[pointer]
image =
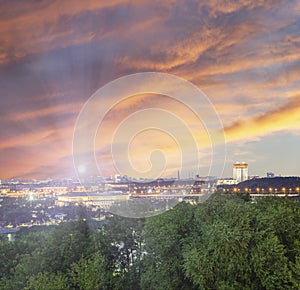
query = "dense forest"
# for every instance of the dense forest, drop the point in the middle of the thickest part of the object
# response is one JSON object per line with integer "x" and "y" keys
{"x": 224, "y": 243}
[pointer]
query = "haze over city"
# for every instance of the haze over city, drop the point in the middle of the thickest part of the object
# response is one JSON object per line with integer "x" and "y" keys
{"x": 244, "y": 56}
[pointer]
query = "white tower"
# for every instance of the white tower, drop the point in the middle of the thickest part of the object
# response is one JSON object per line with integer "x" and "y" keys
{"x": 240, "y": 171}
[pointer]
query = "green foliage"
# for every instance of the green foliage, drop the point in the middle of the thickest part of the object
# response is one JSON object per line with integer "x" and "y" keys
{"x": 91, "y": 274}
{"x": 239, "y": 245}
{"x": 66, "y": 245}
{"x": 47, "y": 281}
{"x": 165, "y": 235}
{"x": 224, "y": 243}
{"x": 49, "y": 251}
{"x": 7, "y": 255}
{"x": 125, "y": 236}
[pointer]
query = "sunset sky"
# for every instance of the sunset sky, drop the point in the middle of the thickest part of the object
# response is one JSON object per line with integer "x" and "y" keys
{"x": 243, "y": 55}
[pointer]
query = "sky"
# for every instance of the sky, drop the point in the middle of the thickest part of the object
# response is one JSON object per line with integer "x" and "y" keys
{"x": 243, "y": 55}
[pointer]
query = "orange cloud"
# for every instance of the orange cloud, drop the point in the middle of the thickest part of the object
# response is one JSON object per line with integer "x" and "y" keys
{"x": 222, "y": 46}
{"x": 43, "y": 112}
{"x": 286, "y": 117}
{"x": 28, "y": 28}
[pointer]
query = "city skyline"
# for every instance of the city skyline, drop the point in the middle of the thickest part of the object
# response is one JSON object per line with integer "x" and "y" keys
{"x": 179, "y": 176}
{"x": 243, "y": 55}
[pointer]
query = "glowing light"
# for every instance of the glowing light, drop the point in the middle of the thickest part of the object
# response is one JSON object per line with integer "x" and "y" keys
{"x": 31, "y": 196}
{"x": 81, "y": 168}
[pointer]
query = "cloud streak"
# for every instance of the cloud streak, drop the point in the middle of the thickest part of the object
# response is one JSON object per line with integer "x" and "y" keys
{"x": 55, "y": 54}
{"x": 285, "y": 117}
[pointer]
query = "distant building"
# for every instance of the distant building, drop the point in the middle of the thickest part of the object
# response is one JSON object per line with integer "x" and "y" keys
{"x": 270, "y": 174}
{"x": 103, "y": 199}
{"x": 117, "y": 178}
{"x": 240, "y": 171}
{"x": 253, "y": 176}
{"x": 226, "y": 181}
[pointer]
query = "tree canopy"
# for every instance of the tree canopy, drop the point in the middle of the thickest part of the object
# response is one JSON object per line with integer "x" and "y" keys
{"x": 224, "y": 243}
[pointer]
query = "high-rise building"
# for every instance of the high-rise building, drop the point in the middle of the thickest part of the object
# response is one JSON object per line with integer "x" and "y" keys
{"x": 240, "y": 171}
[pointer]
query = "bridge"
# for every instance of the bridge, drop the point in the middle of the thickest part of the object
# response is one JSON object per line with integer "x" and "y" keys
{"x": 274, "y": 194}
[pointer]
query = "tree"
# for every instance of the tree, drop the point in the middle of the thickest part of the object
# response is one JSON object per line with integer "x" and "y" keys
{"x": 47, "y": 281}
{"x": 236, "y": 245}
{"x": 216, "y": 253}
{"x": 125, "y": 235}
{"x": 91, "y": 273}
{"x": 164, "y": 239}
{"x": 66, "y": 244}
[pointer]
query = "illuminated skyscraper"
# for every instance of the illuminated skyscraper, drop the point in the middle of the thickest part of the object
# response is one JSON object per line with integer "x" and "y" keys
{"x": 240, "y": 171}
